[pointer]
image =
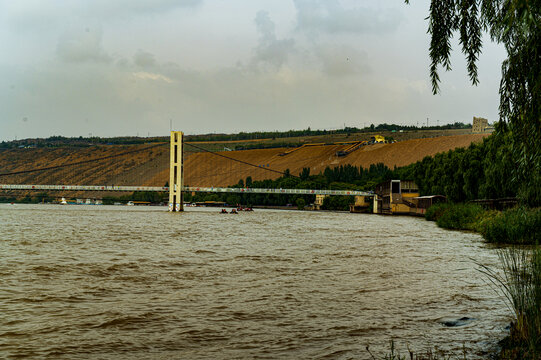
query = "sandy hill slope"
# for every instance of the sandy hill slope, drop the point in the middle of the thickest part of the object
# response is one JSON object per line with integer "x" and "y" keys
{"x": 204, "y": 169}
{"x": 134, "y": 168}
{"x": 151, "y": 166}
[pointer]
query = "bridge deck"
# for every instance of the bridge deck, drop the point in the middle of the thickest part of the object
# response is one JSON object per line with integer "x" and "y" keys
{"x": 185, "y": 189}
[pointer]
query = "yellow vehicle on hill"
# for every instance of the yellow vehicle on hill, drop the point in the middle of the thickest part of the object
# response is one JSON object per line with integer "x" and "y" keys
{"x": 377, "y": 139}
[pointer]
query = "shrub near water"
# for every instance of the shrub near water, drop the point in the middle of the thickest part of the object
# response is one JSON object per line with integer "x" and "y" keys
{"x": 455, "y": 216}
{"x": 436, "y": 210}
{"x": 515, "y": 226}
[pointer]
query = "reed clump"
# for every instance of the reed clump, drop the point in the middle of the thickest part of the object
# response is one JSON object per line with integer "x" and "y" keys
{"x": 521, "y": 285}
{"x": 429, "y": 354}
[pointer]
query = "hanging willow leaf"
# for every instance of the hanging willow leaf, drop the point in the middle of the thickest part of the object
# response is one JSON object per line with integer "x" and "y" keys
{"x": 516, "y": 24}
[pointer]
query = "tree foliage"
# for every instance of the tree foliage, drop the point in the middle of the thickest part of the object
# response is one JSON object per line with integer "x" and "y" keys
{"x": 481, "y": 171}
{"x": 343, "y": 177}
{"x": 516, "y": 25}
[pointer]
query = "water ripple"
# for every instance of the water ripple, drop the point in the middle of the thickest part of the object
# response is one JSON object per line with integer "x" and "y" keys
{"x": 114, "y": 282}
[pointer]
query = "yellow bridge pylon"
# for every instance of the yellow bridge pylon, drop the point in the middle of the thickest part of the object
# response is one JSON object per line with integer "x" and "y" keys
{"x": 176, "y": 172}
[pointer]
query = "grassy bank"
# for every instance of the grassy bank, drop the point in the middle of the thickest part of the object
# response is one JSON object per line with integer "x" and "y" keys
{"x": 455, "y": 216}
{"x": 516, "y": 226}
{"x": 520, "y": 226}
{"x": 521, "y": 279}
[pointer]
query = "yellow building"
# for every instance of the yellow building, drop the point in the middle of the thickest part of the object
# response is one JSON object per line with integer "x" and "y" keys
{"x": 395, "y": 197}
{"x": 361, "y": 204}
{"x": 318, "y": 203}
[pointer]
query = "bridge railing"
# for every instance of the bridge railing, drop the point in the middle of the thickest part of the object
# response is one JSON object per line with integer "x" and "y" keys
{"x": 82, "y": 187}
{"x": 185, "y": 189}
{"x": 277, "y": 191}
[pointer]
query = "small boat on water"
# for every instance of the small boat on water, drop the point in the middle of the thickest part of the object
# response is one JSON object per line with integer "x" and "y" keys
{"x": 242, "y": 208}
{"x": 63, "y": 201}
{"x": 235, "y": 211}
{"x": 130, "y": 203}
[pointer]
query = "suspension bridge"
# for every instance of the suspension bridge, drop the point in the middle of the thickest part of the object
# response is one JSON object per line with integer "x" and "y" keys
{"x": 204, "y": 166}
{"x": 184, "y": 189}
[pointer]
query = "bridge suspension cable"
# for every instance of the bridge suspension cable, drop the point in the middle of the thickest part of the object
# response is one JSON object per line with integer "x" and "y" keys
{"x": 239, "y": 161}
{"x": 82, "y": 162}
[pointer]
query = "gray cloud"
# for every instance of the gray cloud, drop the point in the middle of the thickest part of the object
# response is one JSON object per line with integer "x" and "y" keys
{"x": 29, "y": 16}
{"x": 82, "y": 46}
{"x": 275, "y": 77}
{"x": 270, "y": 50}
{"x": 144, "y": 59}
{"x": 341, "y": 60}
{"x": 119, "y": 8}
{"x": 331, "y": 17}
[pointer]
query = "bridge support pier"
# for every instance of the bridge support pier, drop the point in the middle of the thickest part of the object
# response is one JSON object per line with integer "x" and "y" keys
{"x": 176, "y": 172}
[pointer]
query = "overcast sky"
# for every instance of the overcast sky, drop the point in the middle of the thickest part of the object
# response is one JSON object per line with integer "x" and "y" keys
{"x": 130, "y": 67}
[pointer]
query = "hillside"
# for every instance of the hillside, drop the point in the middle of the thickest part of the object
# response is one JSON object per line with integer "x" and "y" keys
{"x": 150, "y": 167}
{"x": 204, "y": 169}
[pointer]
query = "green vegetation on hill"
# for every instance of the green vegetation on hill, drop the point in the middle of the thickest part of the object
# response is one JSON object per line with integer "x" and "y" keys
{"x": 310, "y": 132}
{"x": 61, "y": 141}
{"x": 267, "y": 145}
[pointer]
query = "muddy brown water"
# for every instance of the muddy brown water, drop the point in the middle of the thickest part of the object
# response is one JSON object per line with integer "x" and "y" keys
{"x": 105, "y": 282}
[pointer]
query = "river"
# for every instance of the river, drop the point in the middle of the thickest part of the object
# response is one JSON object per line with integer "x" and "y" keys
{"x": 125, "y": 282}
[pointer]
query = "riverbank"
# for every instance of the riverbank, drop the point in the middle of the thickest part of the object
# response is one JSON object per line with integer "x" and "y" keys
{"x": 521, "y": 281}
